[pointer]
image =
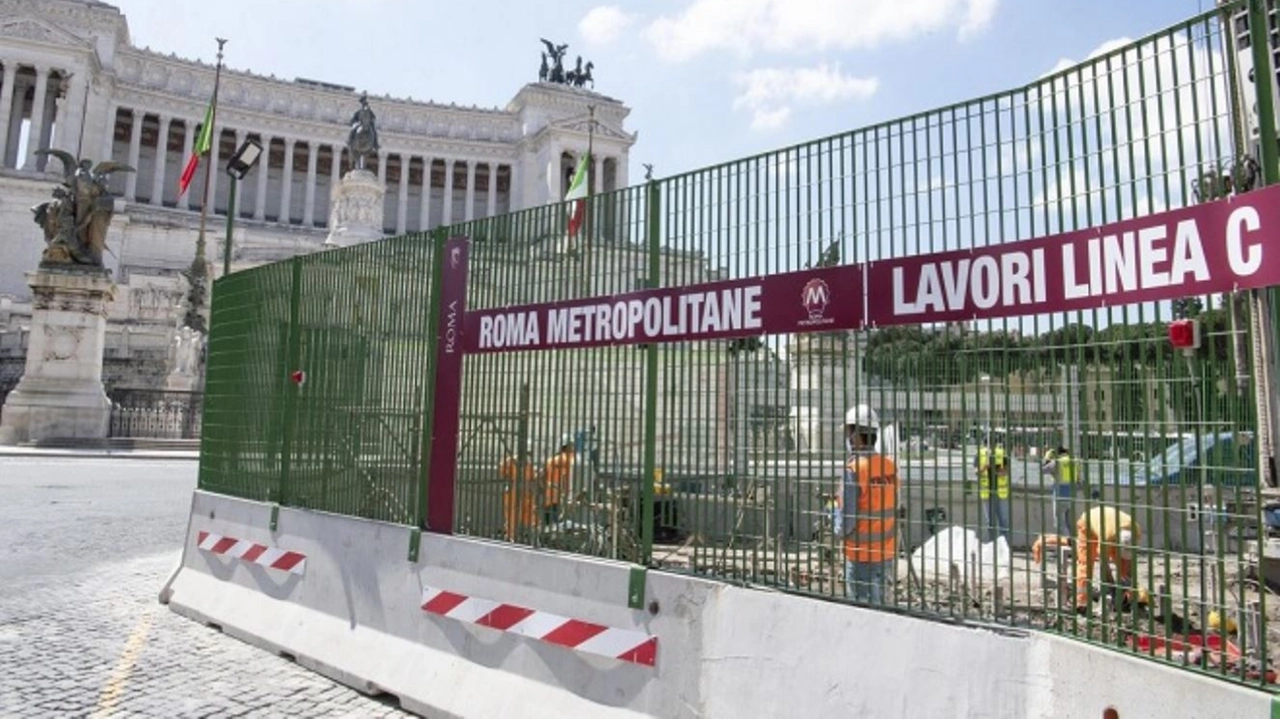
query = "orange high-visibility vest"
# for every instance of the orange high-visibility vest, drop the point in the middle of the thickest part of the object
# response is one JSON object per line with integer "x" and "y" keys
{"x": 557, "y": 477}
{"x": 519, "y": 499}
{"x": 875, "y": 537}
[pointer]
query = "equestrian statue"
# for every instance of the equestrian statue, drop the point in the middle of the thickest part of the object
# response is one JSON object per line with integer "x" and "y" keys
{"x": 362, "y": 140}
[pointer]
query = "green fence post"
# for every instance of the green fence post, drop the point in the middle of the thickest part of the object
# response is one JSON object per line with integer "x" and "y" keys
{"x": 651, "y": 382}
{"x": 1263, "y": 72}
{"x": 294, "y": 353}
{"x": 437, "y": 239}
{"x": 1261, "y": 46}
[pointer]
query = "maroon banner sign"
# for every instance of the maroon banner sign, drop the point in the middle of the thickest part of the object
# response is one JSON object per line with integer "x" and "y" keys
{"x": 1215, "y": 247}
{"x": 828, "y": 298}
{"x": 448, "y": 387}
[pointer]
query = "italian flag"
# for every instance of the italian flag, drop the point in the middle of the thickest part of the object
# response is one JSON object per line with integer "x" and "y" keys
{"x": 578, "y": 191}
{"x": 201, "y": 148}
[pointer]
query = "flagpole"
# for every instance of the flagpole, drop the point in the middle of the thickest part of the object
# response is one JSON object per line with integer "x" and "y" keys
{"x": 199, "y": 272}
{"x": 591, "y": 164}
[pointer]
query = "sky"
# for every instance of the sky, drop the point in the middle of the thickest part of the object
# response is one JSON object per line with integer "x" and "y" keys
{"x": 708, "y": 81}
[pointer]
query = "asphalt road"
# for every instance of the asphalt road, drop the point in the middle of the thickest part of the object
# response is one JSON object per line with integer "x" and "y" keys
{"x": 85, "y": 545}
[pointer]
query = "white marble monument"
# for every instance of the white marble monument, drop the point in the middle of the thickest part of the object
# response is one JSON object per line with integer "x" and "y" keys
{"x": 357, "y": 213}
{"x": 184, "y": 360}
{"x": 60, "y": 394}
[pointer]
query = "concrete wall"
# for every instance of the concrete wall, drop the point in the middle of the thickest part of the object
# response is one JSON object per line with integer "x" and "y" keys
{"x": 723, "y": 651}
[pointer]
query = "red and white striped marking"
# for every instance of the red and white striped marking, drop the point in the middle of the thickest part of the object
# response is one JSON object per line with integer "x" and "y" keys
{"x": 269, "y": 557}
{"x": 627, "y": 645}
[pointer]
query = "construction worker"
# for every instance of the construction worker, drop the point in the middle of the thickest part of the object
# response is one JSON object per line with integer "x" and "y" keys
{"x": 993, "y": 491}
{"x": 1108, "y": 534}
{"x": 519, "y": 499}
{"x": 1060, "y": 467}
{"x": 869, "y": 507}
{"x": 556, "y": 479}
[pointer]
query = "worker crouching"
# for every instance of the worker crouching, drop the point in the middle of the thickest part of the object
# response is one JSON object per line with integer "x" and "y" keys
{"x": 1108, "y": 534}
{"x": 869, "y": 508}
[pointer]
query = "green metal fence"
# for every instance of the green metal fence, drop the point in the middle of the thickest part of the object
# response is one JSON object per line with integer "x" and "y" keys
{"x": 724, "y": 458}
{"x": 316, "y": 381}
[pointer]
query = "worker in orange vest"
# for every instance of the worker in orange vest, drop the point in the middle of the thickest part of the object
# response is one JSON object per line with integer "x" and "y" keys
{"x": 556, "y": 479}
{"x": 869, "y": 506}
{"x": 519, "y": 499}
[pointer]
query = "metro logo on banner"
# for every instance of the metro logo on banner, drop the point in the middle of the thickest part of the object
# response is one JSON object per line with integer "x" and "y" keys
{"x": 1209, "y": 248}
{"x": 828, "y": 298}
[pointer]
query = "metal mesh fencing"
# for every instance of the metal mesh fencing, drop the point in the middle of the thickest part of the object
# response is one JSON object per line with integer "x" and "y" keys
{"x": 726, "y": 457}
{"x": 1164, "y": 437}
{"x": 317, "y": 378}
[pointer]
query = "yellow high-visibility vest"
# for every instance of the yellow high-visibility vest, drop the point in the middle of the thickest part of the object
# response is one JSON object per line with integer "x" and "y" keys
{"x": 1066, "y": 469}
{"x": 986, "y": 472}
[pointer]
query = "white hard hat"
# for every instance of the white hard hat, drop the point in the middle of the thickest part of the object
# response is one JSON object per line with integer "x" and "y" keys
{"x": 862, "y": 415}
{"x": 565, "y": 439}
{"x": 1126, "y": 537}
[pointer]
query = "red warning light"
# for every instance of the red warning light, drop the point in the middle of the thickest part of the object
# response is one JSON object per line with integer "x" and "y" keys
{"x": 1184, "y": 334}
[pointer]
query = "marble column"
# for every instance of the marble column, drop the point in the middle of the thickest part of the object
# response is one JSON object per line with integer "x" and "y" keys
{"x": 447, "y": 219}
{"x": 108, "y": 151}
{"x": 598, "y": 175}
{"x": 37, "y": 118}
{"x": 309, "y": 200}
{"x": 188, "y": 144}
{"x": 286, "y": 181}
{"x": 46, "y": 123}
{"x": 515, "y": 188}
{"x": 424, "y": 202}
{"x": 71, "y": 115}
{"x": 264, "y": 172}
{"x": 491, "y": 205}
{"x": 469, "y": 211}
{"x": 335, "y": 167}
{"x": 402, "y": 204}
{"x": 6, "y": 107}
{"x": 162, "y": 156}
{"x": 15, "y": 123}
{"x": 135, "y": 151}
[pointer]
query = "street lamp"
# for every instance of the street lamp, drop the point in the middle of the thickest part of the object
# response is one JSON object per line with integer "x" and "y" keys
{"x": 237, "y": 167}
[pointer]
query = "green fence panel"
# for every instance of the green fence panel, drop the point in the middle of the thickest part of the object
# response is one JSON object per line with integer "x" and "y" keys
{"x": 726, "y": 458}
{"x": 323, "y": 386}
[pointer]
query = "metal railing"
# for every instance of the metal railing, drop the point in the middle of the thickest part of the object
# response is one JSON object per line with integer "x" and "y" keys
{"x": 155, "y": 414}
{"x": 725, "y": 458}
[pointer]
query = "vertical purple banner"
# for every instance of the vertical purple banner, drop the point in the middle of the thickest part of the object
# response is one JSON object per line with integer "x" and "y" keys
{"x": 448, "y": 389}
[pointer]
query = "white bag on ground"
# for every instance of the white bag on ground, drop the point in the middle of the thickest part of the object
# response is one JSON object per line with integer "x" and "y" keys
{"x": 957, "y": 552}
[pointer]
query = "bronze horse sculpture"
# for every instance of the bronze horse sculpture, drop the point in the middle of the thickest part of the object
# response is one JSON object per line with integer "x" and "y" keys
{"x": 362, "y": 140}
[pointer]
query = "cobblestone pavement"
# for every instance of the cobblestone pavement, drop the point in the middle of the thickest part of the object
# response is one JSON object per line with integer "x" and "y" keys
{"x": 85, "y": 546}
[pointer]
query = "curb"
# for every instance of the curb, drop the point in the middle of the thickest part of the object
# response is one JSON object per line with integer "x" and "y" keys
{"x": 97, "y": 454}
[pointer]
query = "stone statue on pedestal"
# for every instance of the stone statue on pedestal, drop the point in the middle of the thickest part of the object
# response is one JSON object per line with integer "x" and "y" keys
{"x": 60, "y": 394}
{"x": 75, "y": 221}
{"x": 186, "y": 350}
{"x": 355, "y": 209}
{"x": 362, "y": 141}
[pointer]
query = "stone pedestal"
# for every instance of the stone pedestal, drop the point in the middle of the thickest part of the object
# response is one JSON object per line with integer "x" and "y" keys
{"x": 357, "y": 210}
{"x": 60, "y": 394}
